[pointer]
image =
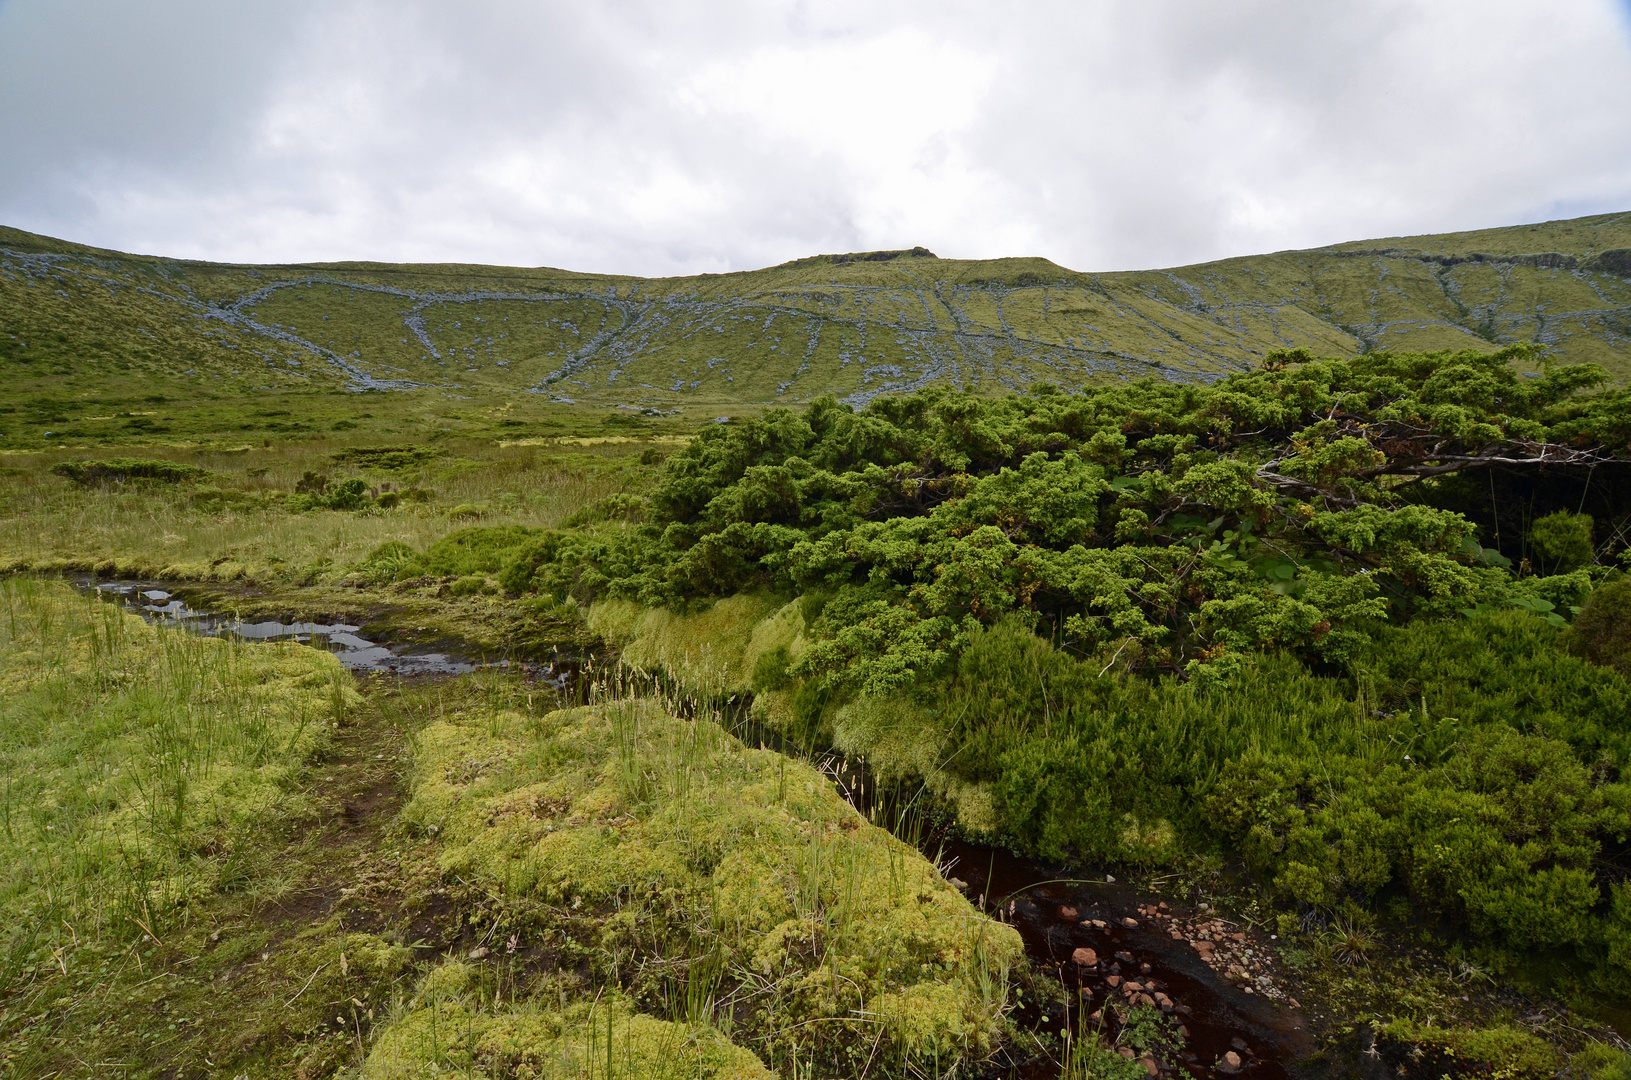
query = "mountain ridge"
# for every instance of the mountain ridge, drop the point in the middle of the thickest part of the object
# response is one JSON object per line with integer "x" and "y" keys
{"x": 856, "y": 324}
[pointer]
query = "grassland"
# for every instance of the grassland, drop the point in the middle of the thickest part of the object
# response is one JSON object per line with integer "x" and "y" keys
{"x": 237, "y": 521}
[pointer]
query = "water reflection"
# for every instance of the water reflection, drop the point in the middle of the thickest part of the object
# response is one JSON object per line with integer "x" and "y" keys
{"x": 356, "y": 653}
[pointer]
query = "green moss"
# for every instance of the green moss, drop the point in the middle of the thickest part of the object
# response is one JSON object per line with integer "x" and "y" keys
{"x": 1496, "y": 1053}
{"x": 449, "y": 1030}
{"x": 672, "y": 822}
{"x": 713, "y": 650}
{"x": 1599, "y": 1061}
{"x": 138, "y": 761}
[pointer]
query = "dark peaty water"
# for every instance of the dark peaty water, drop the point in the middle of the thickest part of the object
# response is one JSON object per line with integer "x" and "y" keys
{"x": 1056, "y": 919}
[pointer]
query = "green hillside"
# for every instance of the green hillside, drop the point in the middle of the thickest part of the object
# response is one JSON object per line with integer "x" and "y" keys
{"x": 124, "y": 329}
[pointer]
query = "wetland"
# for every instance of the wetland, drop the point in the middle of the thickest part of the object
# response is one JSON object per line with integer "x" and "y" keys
{"x": 1141, "y": 731}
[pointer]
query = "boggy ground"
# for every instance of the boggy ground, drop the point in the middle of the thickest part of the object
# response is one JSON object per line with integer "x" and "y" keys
{"x": 334, "y": 918}
{"x": 451, "y": 875}
{"x": 251, "y": 981}
{"x": 329, "y": 918}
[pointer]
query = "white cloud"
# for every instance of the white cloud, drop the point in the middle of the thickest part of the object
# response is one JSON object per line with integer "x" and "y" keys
{"x": 646, "y": 137}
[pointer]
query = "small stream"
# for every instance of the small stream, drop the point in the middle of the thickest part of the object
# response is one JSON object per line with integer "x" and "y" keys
{"x": 1109, "y": 945}
{"x": 1108, "y": 942}
{"x": 158, "y": 605}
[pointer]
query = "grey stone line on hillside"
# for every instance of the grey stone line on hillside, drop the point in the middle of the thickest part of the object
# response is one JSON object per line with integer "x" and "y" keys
{"x": 644, "y": 318}
{"x": 73, "y": 264}
{"x": 1488, "y": 314}
{"x": 641, "y": 319}
{"x": 1542, "y": 336}
{"x": 32, "y": 261}
{"x": 631, "y": 310}
{"x": 413, "y": 319}
{"x": 1196, "y": 302}
{"x": 361, "y": 379}
{"x": 1020, "y": 345}
{"x": 1616, "y": 262}
{"x": 894, "y": 377}
{"x": 1366, "y": 332}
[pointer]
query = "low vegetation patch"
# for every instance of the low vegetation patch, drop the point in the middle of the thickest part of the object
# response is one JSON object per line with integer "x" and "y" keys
{"x": 140, "y": 769}
{"x": 1335, "y": 645}
{"x": 1270, "y": 618}
{"x": 451, "y": 1025}
{"x": 119, "y": 470}
{"x": 738, "y": 892}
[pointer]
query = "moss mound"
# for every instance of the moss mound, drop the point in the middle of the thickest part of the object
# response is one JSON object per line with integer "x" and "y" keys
{"x": 447, "y": 1026}
{"x": 1602, "y": 631}
{"x": 1500, "y": 1053}
{"x": 829, "y": 938}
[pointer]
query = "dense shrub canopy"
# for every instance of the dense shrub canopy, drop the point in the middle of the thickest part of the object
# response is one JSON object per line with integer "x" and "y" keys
{"x": 1288, "y": 507}
{"x": 1339, "y": 682}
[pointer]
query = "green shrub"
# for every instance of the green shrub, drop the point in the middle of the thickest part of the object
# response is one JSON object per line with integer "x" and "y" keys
{"x": 120, "y": 470}
{"x": 1138, "y": 519}
{"x": 1147, "y": 619}
{"x": 480, "y": 550}
{"x": 389, "y": 561}
{"x": 313, "y": 492}
{"x": 1562, "y": 541}
{"x": 770, "y": 670}
{"x": 623, "y": 507}
{"x": 1602, "y": 631}
{"x": 387, "y": 458}
{"x": 311, "y": 483}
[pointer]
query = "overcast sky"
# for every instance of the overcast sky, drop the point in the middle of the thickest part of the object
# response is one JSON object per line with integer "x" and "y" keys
{"x": 669, "y": 136}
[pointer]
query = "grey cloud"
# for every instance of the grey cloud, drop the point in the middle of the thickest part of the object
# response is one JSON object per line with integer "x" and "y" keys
{"x": 1102, "y": 135}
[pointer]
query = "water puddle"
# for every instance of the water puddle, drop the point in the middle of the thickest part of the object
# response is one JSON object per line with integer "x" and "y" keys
{"x": 158, "y": 605}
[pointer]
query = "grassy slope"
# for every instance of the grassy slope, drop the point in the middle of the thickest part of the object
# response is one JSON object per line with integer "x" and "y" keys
{"x": 101, "y": 345}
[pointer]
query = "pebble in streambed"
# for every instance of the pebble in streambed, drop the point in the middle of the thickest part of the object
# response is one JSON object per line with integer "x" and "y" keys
{"x": 1114, "y": 948}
